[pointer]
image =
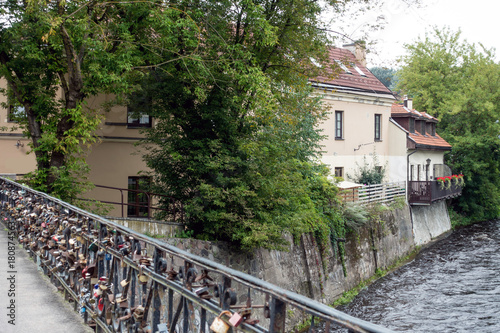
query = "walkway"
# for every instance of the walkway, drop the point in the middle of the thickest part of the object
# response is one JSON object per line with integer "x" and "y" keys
{"x": 35, "y": 305}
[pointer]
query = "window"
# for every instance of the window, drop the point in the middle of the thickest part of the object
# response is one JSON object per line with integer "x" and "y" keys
{"x": 339, "y": 172}
{"x": 418, "y": 172}
{"x": 412, "y": 125}
{"x": 138, "y": 200}
{"x": 422, "y": 127}
{"x": 339, "y": 124}
{"x": 14, "y": 113}
{"x": 433, "y": 129}
{"x": 378, "y": 120}
{"x": 412, "y": 171}
{"x": 137, "y": 119}
{"x": 138, "y": 109}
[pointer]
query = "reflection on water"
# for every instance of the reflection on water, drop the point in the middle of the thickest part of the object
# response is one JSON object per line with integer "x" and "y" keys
{"x": 452, "y": 286}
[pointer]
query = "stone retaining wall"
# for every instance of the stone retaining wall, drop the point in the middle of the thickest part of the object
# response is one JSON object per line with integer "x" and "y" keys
{"x": 302, "y": 268}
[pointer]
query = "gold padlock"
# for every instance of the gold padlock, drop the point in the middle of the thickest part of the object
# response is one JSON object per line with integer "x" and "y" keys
{"x": 219, "y": 325}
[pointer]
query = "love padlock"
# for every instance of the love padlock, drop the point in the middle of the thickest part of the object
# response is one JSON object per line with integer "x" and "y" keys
{"x": 219, "y": 325}
{"x": 235, "y": 319}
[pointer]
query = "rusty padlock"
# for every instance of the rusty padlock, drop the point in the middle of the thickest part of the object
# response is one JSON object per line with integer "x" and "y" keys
{"x": 219, "y": 325}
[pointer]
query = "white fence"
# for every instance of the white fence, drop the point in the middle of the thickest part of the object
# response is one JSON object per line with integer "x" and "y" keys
{"x": 386, "y": 192}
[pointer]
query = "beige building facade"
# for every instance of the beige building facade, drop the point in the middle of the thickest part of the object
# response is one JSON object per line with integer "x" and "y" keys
{"x": 115, "y": 161}
{"x": 359, "y": 129}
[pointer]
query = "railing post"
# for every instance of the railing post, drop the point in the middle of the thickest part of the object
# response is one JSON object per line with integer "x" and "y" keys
{"x": 121, "y": 193}
{"x": 278, "y": 315}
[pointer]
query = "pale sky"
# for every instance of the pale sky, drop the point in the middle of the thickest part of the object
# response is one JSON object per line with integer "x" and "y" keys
{"x": 479, "y": 21}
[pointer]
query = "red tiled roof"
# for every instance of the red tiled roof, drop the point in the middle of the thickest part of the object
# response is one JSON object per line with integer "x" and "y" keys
{"x": 398, "y": 110}
{"x": 401, "y": 110}
{"x": 367, "y": 82}
{"x": 429, "y": 140}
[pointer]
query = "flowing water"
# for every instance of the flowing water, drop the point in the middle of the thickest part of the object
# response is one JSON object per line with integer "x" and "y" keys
{"x": 452, "y": 286}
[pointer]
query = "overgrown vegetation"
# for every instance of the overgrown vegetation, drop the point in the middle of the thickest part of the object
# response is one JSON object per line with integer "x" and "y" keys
{"x": 369, "y": 173}
{"x": 236, "y": 124}
{"x": 459, "y": 83}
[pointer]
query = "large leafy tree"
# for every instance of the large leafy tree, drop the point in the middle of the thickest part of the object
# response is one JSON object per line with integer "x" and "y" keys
{"x": 235, "y": 137}
{"x": 459, "y": 83}
{"x": 54, "y": 55}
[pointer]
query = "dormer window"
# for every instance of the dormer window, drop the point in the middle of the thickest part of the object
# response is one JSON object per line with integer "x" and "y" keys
{"x": 412, "y": 125}
{"x": 431, "y": 128}
{"x": 422, "y": 127}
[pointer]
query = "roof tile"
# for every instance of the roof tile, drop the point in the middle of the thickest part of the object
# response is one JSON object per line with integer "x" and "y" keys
{"x": 417, "y": 137}
{"x": 366, "y": 82}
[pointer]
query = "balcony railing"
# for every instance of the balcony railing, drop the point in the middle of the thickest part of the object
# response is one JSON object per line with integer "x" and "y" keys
{"x": 378, "y": 193}
{"x": 425, "y": 192}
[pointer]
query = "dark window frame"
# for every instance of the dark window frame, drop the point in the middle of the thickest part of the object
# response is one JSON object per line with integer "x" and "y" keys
{"x": 339, "y": 125}
{"x": 423, "y": 128}
{"x": 135, "y": 119}
{"x": 339, "y": 172}
{"x": 378, "y": 127}
{"x": 139, "y": 183}
{"x": 14, "y": 110}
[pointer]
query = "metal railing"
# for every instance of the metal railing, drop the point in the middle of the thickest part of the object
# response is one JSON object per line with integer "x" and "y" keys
{"x": 378, "y": 193}
{"x": 425, "y": 192}
{"x": 174, "y": 212}
{"x": 124, "y": 281}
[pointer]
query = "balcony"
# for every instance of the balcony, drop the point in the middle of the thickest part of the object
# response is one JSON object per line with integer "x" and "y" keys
{"x": 426, "y": 192}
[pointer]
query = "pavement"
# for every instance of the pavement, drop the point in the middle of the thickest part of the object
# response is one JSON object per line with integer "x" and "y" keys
{"x": 29, "y": 303}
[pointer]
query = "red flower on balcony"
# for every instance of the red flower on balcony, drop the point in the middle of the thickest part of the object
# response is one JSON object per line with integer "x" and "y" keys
{"x": 446, "y": 182}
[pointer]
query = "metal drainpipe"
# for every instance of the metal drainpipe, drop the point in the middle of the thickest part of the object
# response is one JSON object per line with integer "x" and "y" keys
{"x": 407, "y": 187}
{"x": 408, "y": 165}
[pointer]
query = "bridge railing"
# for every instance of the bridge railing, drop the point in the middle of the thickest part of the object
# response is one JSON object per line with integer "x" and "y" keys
{"x": 124, "y": 281}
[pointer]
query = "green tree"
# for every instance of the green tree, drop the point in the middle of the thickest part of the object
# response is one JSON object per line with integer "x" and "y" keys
{"x": 235, "y": 137}
{"x": 54, "y": 55}
{"x": 459, "y": 83}
{"x": 388, "y": 76}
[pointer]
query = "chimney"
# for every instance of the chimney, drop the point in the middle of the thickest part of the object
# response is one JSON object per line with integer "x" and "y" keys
{"x": 408, "y": 102}
{"x": 359, "y": 50}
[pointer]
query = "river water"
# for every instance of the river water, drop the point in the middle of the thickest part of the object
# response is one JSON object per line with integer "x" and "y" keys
{"x": 451, "y": 286}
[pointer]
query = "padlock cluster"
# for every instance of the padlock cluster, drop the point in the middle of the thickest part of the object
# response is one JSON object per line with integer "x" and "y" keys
{"x": 107, "y": 271}
{"x": 76, "y": 253}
